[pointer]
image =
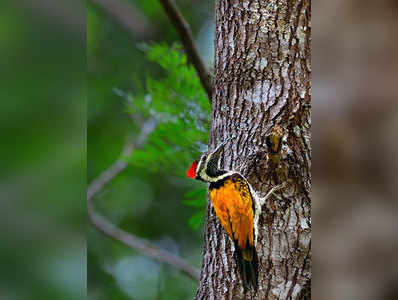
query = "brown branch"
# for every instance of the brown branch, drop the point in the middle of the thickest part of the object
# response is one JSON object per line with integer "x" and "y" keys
{"x": 143, "y": 246}
{"x": 184, "y": 31}
{"x": 102, "y": 224}
{"x": 135, "y": 24}
{"x": 118, "y": 166}
{"x": 138, "y": 26}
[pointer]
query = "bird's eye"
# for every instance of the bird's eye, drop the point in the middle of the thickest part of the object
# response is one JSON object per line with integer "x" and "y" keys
{"x": 204, "y": 157}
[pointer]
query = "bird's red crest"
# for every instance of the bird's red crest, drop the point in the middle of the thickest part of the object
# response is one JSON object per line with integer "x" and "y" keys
{"x": 191, "y": 173}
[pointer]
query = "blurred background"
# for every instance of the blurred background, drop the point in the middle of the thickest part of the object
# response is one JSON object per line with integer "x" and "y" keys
{"x": 68, "y": 73}
{"x": 355, "y": 149}
{"x": 43, "y": 165}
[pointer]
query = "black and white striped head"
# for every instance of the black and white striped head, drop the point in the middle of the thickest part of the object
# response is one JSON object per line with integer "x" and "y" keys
{"x": 205, "y": 168}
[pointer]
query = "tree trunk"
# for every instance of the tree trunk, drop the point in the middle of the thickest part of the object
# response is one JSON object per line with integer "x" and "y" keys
{"x": 262, "y": 79}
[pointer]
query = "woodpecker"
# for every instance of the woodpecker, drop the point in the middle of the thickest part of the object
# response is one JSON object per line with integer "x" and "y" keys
{"x": 237, "y": 207}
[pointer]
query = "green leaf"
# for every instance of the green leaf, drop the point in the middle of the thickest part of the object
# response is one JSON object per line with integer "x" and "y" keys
{"x": 195, "y": 202}
{"x": 196, "y": 193}
{"x": 196, "y": 198}
{"x": 196, "y": 220}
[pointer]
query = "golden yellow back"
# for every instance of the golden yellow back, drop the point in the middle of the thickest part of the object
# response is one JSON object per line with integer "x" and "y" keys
{"x": 232, "y": 203}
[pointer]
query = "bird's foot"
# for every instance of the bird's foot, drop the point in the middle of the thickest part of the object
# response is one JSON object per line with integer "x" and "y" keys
{"x": 271, "y": 191}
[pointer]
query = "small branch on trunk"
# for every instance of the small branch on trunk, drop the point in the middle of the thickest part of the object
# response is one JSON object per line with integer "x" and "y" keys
{"x": 184, "y": 31}
{"x": 103, "y": 225}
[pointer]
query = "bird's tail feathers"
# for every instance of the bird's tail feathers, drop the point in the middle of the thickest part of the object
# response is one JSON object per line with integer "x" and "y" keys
{"x": 248, "y": 263}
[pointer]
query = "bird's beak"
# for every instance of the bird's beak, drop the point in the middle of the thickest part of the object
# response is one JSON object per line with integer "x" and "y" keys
{"x": 217, "y": 151}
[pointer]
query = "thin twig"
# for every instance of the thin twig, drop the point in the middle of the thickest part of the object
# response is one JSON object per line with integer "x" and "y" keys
{"x": 102, "y": 224}
{"x": 184, "y": 31}
{"x": 119, "y": 165}
{"x": 143, "y": 246}
{"x": 139, "y": 27}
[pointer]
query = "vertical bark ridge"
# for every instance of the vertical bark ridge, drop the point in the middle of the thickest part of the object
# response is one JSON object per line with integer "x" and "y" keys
{"x": 262, "y": 78}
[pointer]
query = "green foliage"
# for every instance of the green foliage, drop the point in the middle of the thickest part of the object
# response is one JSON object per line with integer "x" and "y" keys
{"x": 197, "y": 219}
{"x": 180, "y": 106}
{"x": 197, "y": 199}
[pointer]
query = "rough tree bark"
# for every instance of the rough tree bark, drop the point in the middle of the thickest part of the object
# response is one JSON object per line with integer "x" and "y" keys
{"x": 262, "y": 79}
